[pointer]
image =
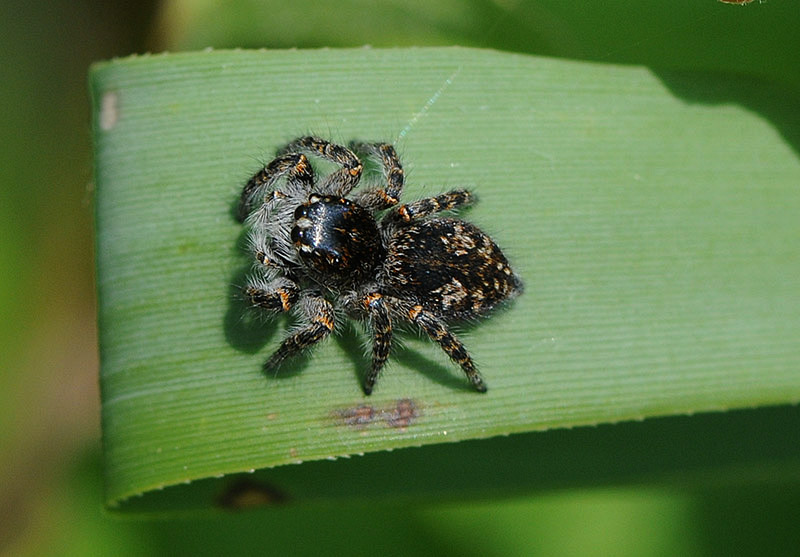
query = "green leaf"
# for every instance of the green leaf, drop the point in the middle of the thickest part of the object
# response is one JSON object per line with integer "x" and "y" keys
{"x": 652, "y": 217}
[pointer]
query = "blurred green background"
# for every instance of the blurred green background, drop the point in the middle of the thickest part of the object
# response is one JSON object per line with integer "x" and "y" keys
{"x": 50, "y": 471}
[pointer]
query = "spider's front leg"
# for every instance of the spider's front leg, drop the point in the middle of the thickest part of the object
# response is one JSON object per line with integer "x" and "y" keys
{"x": 319, "y": 313}
{"x": 339, "y": 182}
{"x": 382, "y": 197}
{"x": 294, "y": 166}
{"x": 449, "y": 201}
{"x": 278, "y": 295}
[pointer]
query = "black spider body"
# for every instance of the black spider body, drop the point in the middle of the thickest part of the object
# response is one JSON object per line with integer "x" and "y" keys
{"x": 449, "y": 267}
{"x": 316, "y": 250}
{"x": 338, "y": 239}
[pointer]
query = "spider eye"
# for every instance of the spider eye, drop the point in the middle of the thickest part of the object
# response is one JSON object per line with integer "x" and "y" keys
{"x": 296, "y": 235}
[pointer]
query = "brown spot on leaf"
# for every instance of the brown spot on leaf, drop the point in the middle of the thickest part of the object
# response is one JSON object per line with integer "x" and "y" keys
{"x": 403, "y": 415}
{"x": 399, "y": 414}
{"x": 358, "y": 416}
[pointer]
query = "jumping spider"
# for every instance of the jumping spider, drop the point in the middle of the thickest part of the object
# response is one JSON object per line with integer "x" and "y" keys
{"x": 316, "y": 250}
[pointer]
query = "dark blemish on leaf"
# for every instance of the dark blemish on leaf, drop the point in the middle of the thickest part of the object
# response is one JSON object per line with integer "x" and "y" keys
{"x": 246, "y": 493}
{"x": 403, "y": 414}
{"x": 399, "y": 415}
{"x": 359, "y": 416}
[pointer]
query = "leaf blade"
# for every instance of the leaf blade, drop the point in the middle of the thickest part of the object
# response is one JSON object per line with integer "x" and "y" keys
{"x": 644, "y": 228}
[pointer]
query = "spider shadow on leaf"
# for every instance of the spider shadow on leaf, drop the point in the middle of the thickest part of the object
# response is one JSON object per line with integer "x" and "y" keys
{"x": 442, "y": 371}
{"x": 445, "y": 375}
{"x": 246, "y": 330}
{"x": 354, "y": 343}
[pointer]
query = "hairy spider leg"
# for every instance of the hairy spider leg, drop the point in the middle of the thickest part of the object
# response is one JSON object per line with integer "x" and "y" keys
{"x": 381, "y": 197}
{"x": 319, "y": 313}
{"x": 339, "y": 182}
{"x": 430, "y": 205}
{"x": 381, "y": 326}
{"x": 278, "y": 295}
{"x": 294, "y": 165}
{"x": 438, "y": 332}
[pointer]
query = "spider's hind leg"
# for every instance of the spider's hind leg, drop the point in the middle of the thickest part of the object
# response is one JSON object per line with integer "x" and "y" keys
{"x": 438, "y": 332}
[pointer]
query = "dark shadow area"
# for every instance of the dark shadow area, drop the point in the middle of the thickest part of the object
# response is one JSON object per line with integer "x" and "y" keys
{"x": 354, "y": 344}
{"x": 729, "y": 516}
{"x": 711, "y": 454}
{"x": 775, "y": 103}
{"x": 760, "y": 519}
{"x": 449, "y": 376}
{"x": 233, "y": 528}
{"x": 246, "y": 329}
{"x": 357, "y": 346}
{"x": 680, "y": 35}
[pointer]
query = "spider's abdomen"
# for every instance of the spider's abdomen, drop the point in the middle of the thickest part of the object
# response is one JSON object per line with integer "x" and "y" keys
{"x": 337, "y": 238}
{"x": 449, "y": 267}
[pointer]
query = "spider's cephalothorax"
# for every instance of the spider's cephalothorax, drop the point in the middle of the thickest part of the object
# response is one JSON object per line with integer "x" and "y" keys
{"x": 316, "y": 250}
{"x": 337, "y": 239}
